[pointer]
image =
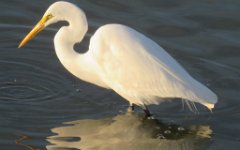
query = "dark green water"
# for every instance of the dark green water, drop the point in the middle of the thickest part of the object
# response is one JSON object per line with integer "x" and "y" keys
{"x": 42, "y": 106}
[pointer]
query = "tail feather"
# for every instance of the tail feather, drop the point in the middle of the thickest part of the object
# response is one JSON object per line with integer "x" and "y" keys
{"x": 204, "y": 95}
{"x": 209, "y": 106}
{"x": 197, "y": 92}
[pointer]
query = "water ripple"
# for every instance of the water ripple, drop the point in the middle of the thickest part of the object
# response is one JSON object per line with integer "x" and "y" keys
{"x": 33, "y": 86}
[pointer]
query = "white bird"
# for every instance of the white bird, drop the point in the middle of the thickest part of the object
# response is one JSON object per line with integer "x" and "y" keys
{"x": 121, "y": 59}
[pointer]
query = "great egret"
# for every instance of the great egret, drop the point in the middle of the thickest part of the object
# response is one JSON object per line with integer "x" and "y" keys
{"x": 121, "y": 59}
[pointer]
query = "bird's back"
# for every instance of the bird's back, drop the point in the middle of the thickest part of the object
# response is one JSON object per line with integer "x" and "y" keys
{"x": 140, "y": 70}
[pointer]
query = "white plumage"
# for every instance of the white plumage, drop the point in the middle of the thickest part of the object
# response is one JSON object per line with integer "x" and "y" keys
{"x": 122, "y": 59}
{"x": 140, "y": 70}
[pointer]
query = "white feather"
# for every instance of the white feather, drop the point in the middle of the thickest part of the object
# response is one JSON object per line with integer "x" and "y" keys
{"x": 121, "y": 59}
{"x": 140, "y": 70}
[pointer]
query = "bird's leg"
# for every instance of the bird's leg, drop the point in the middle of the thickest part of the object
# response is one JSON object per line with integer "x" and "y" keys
{"x": 147, "y": 112}
{"x": 144, "y": 107}
{"x": 131, "y": 107}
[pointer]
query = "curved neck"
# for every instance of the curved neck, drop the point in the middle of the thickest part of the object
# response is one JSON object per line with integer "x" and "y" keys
{"x": 67, "y": 36}
{"x": 81, "y": 65}
{"x": 65, "y": 39}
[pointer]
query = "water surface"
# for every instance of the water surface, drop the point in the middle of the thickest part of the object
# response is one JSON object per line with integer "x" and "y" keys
{"x": 42, "y": 106}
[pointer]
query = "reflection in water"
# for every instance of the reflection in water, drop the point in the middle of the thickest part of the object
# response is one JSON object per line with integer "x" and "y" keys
{"x": 128, "y": 131}
{"x": 22, "y": 139}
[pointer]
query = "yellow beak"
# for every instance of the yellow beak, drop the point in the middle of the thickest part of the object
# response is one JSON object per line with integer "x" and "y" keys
{"x": 40, "y": 25}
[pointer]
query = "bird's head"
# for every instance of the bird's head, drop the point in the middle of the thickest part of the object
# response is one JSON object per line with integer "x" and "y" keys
{"x": 55, "y": 13}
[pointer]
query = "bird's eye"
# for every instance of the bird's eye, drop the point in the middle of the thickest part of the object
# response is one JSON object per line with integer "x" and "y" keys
{"x": 49, "y": 16}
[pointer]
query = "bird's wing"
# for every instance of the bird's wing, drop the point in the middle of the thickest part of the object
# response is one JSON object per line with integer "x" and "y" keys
{"x": 134, "y": 65}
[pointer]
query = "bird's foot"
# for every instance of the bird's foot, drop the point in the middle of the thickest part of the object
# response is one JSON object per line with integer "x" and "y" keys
{"x": 148, "y": 115}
